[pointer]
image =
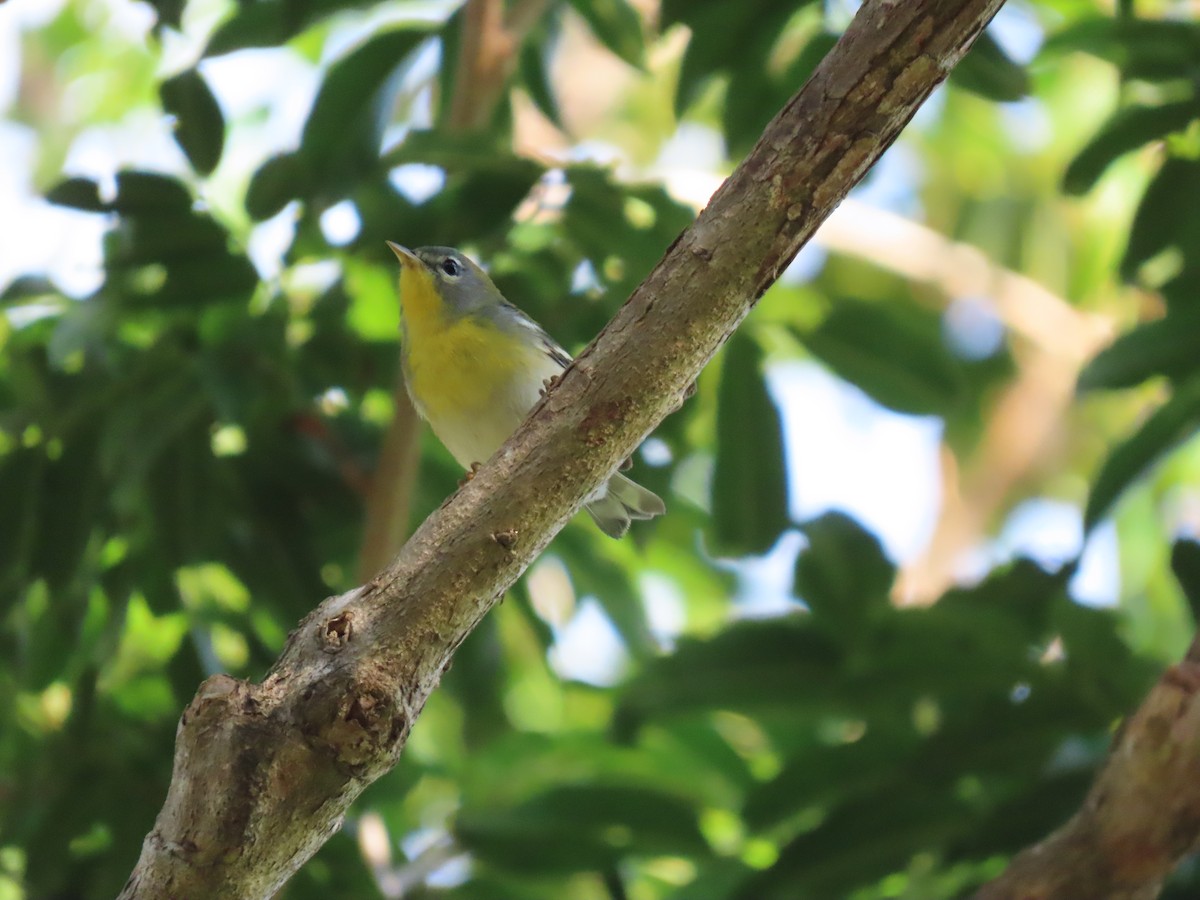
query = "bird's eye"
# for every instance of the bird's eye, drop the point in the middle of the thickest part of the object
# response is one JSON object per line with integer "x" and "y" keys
{"x": 451, "y": 267}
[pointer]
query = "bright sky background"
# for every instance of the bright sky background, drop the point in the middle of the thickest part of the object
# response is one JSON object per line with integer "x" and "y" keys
{"x": 844, "y": 451}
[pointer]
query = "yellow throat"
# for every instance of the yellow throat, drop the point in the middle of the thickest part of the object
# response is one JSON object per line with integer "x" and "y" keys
{"x": 422, "y": 307}
{"x": 456, "y": 365}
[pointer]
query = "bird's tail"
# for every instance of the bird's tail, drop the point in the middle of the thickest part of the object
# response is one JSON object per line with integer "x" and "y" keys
{"x": 622, "y": 502}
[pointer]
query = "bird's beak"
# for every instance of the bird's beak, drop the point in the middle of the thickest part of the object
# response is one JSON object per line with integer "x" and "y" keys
{"x": 406, "y": 256}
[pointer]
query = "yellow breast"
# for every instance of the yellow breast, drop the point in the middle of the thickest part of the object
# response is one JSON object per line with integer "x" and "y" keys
{"x": 458, "y": 368}
{"x": 473, "y": 382}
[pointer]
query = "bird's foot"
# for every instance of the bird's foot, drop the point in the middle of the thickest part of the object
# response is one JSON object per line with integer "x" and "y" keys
{"x": 547, "y": 384}
{"x": 475, "y": 467}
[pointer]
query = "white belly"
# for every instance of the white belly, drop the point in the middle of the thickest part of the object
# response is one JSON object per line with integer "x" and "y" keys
{"x": 474, "y": 435}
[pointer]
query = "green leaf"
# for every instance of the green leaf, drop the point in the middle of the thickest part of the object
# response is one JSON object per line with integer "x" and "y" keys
{"x": 150, "y": 238}
{"x": 140, "y": 193}
{"x": 716, "y": 877}
{"x": 1167, "y": 217}
{"x": 137, "y": 435}
{"x": 23, "y": 288}
{"x": 342, "y": 136}
{"x": 897, "y": 356}
{"x": 82, "y": 328}
{"x": 1182, "y": 292}
{"x": 478, "y": 682}
{"x": 531, "y": 70}
{"x": 750, "y": 667}
{"x": 1147, "y": 49}
{"x": 581, "y": 827}
{"x": 988, "y": 71}
{"x": 1168, "y": 346}
{"x": 69, "y": 481}
{"x": 1170, "y": 424}
{"x": 623, "y": 248}
{"x": 170, "y": 12}
{"x": 897, "y": 822}
{"x": 750, "y": 486}
{"x": 461, "y": 153}
{"x": 21, "y": 476}
{"x": 823, "y": 773}
{"x": 1128, "y": 129}
{"x": 724, "y": 36}
{"x": 482, "y": 202}
{"x": 1100, "y": 658}
{"x": 199, "y": 125}
{"x": 158, "y": 227}
{"x": 449, "y": 38}
{"x": 843, "y": 573}
{"x": 267, "y": 23}
{"x": 1023, "y": 589}
{"x": 760, "y": 93}
{"x": 1185, "y": 563}
{"x": 259, "y": 24}
{"x": 78, "y": 193}
{"x": 617, "y": 26}
{"x": 277, "y": 182}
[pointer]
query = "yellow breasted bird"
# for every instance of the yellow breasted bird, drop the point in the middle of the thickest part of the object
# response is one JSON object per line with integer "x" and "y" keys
{"x": 475, "y": 365}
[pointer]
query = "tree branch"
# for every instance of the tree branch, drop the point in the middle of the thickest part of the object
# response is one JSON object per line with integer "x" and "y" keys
{"x": 1141, "y": 816}
{"x": 264, "y": 773}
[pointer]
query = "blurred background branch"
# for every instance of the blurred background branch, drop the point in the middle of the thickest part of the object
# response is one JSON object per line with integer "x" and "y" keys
{"x": 1024, "y": 433}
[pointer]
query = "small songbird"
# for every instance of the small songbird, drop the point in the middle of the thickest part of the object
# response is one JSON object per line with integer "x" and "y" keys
{"x": 475, "y": 365}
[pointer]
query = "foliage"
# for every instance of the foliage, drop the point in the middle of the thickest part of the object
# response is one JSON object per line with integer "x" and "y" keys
{"x": 185, "y": 453}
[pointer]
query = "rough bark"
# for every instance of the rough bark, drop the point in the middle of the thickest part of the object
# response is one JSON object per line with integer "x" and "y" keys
{"x": 1141, "y": 816}
{"x": 264, "y": 773}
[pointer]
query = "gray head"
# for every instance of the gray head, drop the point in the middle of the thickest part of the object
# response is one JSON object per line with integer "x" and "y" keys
{"x": 463, "y": 286}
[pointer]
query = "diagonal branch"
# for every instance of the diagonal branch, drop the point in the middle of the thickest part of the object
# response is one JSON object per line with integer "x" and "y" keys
{"x": 264, "y": 773}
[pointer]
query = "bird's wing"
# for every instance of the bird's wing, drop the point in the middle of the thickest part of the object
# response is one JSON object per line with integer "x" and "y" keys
{"x": 547, "y": 343}
{"x": 555, "y": 352}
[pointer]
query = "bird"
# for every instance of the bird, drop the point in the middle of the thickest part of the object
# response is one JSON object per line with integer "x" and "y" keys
{"x": 475, "y": 365}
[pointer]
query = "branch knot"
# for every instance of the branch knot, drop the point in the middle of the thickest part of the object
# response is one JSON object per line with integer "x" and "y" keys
{"x": 336, "y": 632}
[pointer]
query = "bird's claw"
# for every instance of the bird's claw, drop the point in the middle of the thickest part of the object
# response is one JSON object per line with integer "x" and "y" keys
{"x": 547, "y": 384}
{"x": 471, "y": 472}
